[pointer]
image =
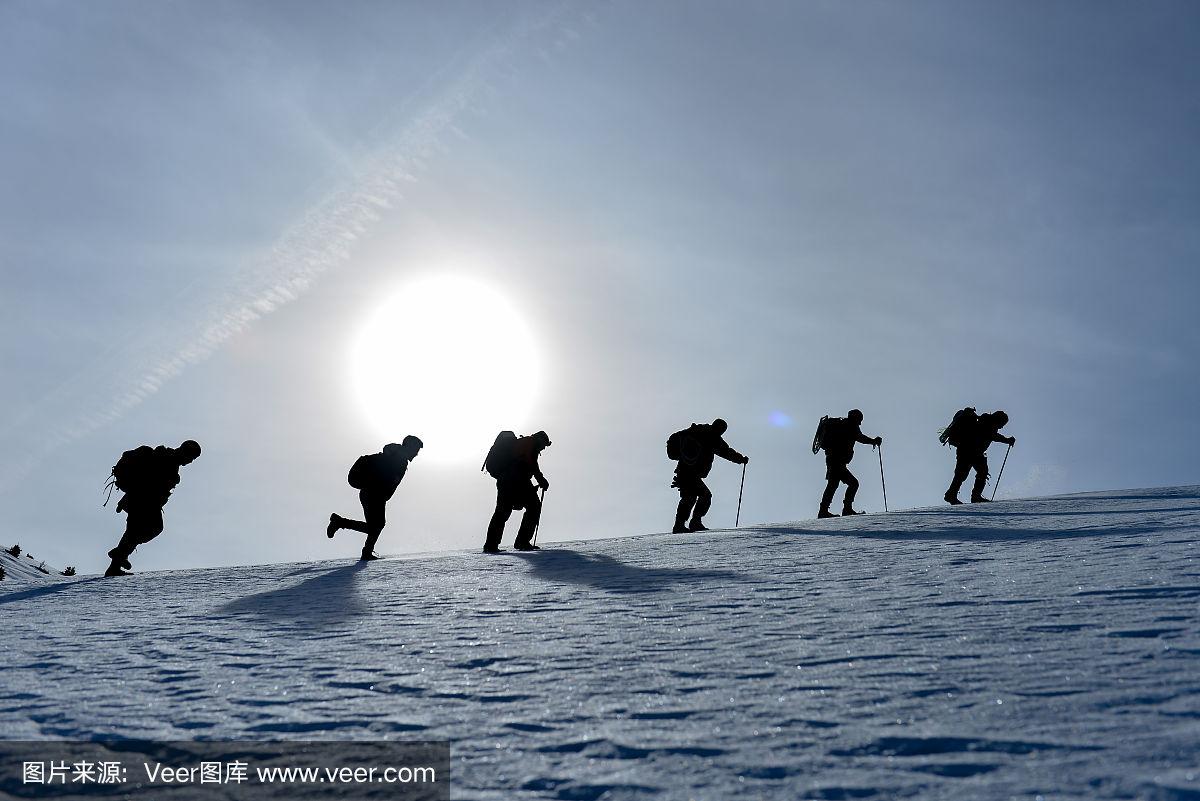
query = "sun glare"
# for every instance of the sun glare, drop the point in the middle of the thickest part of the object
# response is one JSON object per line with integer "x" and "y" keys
{"x": 449, "y": 360}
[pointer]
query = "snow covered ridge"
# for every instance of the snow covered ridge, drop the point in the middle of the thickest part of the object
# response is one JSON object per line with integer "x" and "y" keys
{"x": 1046, "y": 647}
{"x": 24, "y": 569}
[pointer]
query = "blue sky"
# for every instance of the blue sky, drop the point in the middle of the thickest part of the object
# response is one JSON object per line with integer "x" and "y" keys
{"x": 765, "y": 212}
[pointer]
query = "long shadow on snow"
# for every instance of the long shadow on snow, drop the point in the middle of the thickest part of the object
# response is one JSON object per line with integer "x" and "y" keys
{"x": 612, "y": 575}
{"x": 50, "y": 589}
{"x": 1052, "y": 512}
{"x": 1165, "y": 493}
{"x": 971, "y": 534}
{"x": 327, "y": 599}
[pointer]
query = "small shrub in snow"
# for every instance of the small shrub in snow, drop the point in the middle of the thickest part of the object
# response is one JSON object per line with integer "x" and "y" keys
{"x": 70, "y": 571}
{"x": 14, "y": 551}
{"x": 42, "y": 567}
{"x": 2, "y": 573}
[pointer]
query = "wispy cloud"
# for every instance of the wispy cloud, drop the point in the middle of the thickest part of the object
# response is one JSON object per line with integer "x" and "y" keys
{"x": 319, "y": 241}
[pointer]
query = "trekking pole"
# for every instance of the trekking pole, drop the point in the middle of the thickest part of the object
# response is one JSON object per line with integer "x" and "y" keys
{"x": 997, "y": 485}
{"x": 882, "y": 480}
{"x": 737, "y": 519}
{"x": 542, "y": 502}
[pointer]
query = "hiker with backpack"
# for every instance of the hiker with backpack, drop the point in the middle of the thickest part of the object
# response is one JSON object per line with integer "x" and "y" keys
{"x": 513, "y": 462}
{"x": 970, "y": 434}
{"x": 694, "y": 448}
{"x": 836, "y": 436}
{"x": 147, "y": 477}
{"x": 375, "y": 476}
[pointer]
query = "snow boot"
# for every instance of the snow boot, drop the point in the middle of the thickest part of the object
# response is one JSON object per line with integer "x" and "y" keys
{"x": 493, "y": 549}
{"x": 529, "y": 546}
{"x": 824, "y": 513}
{"x": 679, "y": 528}
{"x": 368, "y": 556}
{"x": 847, "y": 512}
{"x": 124, "y": 562}
{"x": 697, "y": 525}
{"x": 952, "y": 498}
{"x": 980, "y": 499}
{"x": 115, "y": 570}
{"x": 333, "y": 527}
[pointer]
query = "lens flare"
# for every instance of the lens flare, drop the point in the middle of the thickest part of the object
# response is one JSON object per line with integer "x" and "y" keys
{"x": 780, "y": 420}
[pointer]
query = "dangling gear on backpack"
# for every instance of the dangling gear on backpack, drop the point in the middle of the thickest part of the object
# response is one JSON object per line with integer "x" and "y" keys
{"x": 962, "y": 421}
{"x": 832, "y": 432}
{"x": 819, "y": 437}
{"x": 129, "y": 472}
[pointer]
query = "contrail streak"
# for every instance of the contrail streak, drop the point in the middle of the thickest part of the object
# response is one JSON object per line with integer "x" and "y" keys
{"x": 319, "y": 241}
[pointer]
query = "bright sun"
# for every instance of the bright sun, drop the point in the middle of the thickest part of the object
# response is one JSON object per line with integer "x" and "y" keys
{"x": 449, "y": 360}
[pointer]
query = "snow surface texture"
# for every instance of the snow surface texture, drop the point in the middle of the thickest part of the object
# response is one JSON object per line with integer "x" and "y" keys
{"x": 1045, "y": 647}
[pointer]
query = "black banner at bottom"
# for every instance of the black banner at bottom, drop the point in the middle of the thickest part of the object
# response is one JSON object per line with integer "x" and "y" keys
{"x": 212, "y": 770}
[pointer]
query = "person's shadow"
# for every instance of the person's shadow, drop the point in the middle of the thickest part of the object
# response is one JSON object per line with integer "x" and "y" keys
{"x": 612, "y": 575}
{"x": 326, "y": 599}
{"x": 49, "y": 589}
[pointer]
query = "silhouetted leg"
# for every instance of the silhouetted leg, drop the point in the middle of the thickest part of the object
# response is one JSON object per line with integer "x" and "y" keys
{"x": 962, "y": 466}
{"x": 125, "y": 547}
{"x": 353, "y": 525}
{"x": 688, "y": 493}
{"x": 686, "y": 502}
{"x": 851, "y": 490}
{"x": 120, "y": 555}
{"x": 832, "y": 479}
{"x": 495, "y": 531}
{"x": 703, "y": 501}
{"x": 363, "y": 526}
{"x": 143, "y": 522}
{"x": 529, "y": 521}
{"x": 374, "y": 512}
{"x": 981, "y": 477}
{"x": 831, "y": 486}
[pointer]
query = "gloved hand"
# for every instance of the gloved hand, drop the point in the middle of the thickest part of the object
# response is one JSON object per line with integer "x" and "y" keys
{"x": 1012, "y": 441}
{"x": 878, "y": 441}
{"x": 745, "y": 460}
{"x": 544, "y": 484}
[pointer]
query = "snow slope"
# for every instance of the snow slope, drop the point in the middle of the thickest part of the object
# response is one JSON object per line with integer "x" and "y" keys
{"x": 1039, "y": 648}
{"x": 24, "y": 571}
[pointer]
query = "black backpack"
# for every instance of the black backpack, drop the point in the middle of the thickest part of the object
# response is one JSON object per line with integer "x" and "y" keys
{"x": 832, "y": 432}
{"x": 501, "y": 455}
{"x": 132, "y": 471}
{"x": 963, "y": 420}
{"x": 360, "y": 472}
{"x": 683, "y": 445}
